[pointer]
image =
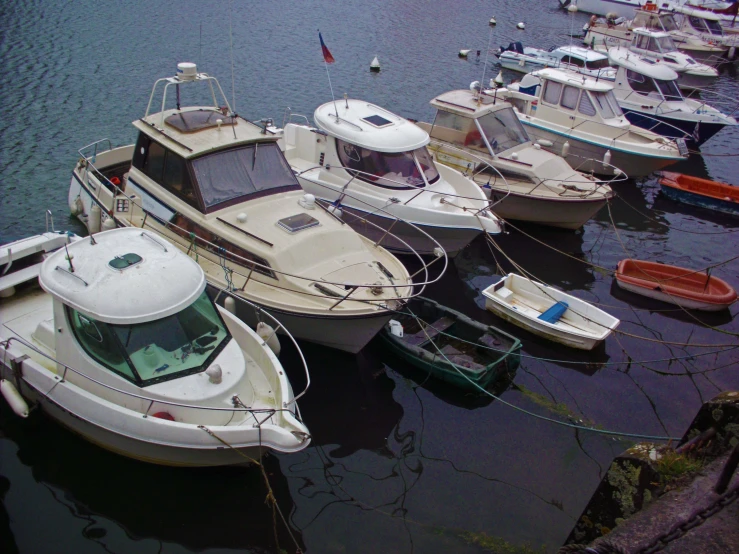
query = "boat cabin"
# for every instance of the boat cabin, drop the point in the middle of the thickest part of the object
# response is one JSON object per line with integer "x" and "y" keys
{"x": 697, "y": 21}
{"x": 376, "y": 145}
{"x": 577, "y": 58}
{"x": 644, "y": 77}
{"x": 560, "y": 92}
{"x": 656, "y": 44}
{"x": 659, "y": 21}
{"x": 480, "y": 122}
{"x": 115, "y": 295}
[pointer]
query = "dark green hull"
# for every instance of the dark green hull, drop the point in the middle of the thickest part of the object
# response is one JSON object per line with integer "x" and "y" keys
{"x": 451, "y": 347}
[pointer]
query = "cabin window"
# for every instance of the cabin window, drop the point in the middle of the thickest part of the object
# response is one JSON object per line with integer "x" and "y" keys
{"x": 165, "y": 168}
{"x": 552, "y": 90}
{"x": 641, "y": 84}
{"x": 569, "y": 97}
{"x": 586, "y": 106}
{"x": 386, "y": 169}
{"x": 503, "y": 130}
{"x": 597, "y": 64}
{"x": 573, "y": 61}
{"x": 668, "y": 23}
{"x": 642, "y": 42}
{"x": 607, "y": 103}
{"x": 230, "y": 175}
{"x": 99, "y": 343}
{"x": 698, "y": 24}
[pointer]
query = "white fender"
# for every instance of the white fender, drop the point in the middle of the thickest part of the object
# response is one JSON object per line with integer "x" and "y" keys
{"x": 93, "y": 221}
{"x": 14, "y": 399}
{"x": 230, "y": 304}
{"x": 267, "y": 333}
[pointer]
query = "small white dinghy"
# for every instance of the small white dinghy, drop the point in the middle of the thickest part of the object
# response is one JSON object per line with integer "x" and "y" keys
{"x": 548, "y": 312}
{"x": 124, "y": 346}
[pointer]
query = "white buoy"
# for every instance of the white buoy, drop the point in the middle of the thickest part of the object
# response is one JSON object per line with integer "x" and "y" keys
{"x": 521, "y": 26}
{"x": 499, "y": 78}
{"x": 14, "y": 399}
{"x": 545, "y": 142}
{"x": 215, "y": 374}
{"x": 565, "y": 149}
{"x": 492, "y": 21}
{"x": 335, "y": 210}
{"x": 108, "y": 224}
{"x": 230, "y": 304}
{"x": 463, "y": 53}
{"x": 268, "y": 335}
{"x": 242, "y": 217}
{"x": 732, "y": 52}
{"x": 607, "y": 158}
{"x": 93, "y": 221}
{"x": 396, "y": 328}
{"x": 572, "y": 8}
{"x": 375, "y": 65}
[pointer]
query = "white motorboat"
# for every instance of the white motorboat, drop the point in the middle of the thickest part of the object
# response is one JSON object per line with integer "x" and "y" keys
{"x": 124, "y": 346}
{"x": 218, "y": 187}
{"x": 649, "y": 97}
{"x": 579, "y": 118}
{"x": 549, "y": 312}
{"x": 525, "y": 182}
{"x": 373, "y": 165}
{"x": 573, "y": 58}
{"x": 704, "y": 24}
{"x": 659, "y": 47}
{"x": 608, "y": 33}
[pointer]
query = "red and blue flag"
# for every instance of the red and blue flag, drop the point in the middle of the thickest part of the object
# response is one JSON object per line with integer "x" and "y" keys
{"x": 327, "y": 57}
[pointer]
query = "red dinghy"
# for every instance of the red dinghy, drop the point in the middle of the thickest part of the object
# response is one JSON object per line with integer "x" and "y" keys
{"x": 700, "y": 192}
{"x": 685, "y": 287}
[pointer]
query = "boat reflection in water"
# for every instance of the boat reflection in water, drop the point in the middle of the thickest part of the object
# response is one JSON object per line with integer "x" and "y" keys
{"x": 105, "y": 496}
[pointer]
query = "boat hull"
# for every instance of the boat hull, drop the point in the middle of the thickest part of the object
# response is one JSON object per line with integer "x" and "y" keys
{"x": 676, "y": 285}
{"x": 565, "y": 214}
{"x": 666, "y": 126}
{"x": 586, "y": 156}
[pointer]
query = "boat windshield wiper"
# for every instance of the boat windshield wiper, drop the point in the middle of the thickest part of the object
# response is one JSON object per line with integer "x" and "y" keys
{"x": 254, "y": 156}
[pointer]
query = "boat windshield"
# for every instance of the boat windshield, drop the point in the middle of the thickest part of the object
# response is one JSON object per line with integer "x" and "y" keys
{"x": 714, "y": 27}
{"x": 669, "y": 89}
{"x": 668, "y": 22}
{"x": 230, "y": 175}
{"x": 161, "y": 350}
{"x": 394, "y": 170}
{"x": 665, "y": 44}
{"x": 502, "y": 129}
{"x": 607, "y": 103}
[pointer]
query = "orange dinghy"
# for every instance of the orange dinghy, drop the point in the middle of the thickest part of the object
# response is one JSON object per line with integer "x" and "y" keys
{"x": 700, "y": 192}
{"x": 687, "y": 288}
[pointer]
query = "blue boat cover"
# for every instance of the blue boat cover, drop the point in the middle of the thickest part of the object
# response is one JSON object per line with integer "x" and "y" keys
{"x": 555, "y": 312}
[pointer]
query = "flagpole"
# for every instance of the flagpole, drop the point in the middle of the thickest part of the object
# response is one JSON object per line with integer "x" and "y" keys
{"x": 332, "y": 90}
{"x": 326, "y": 55}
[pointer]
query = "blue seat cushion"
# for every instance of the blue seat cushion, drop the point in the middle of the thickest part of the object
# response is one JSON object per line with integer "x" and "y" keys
{"x": 554, "y": 313}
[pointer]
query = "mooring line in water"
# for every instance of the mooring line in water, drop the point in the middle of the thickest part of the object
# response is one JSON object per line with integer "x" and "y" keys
{"x": 538, "y": 416}
{"x": 270, "y": 494}
{"x": 577, "y": 362}
{"x": 672, "y": 227}
{"x": 528, "y": 275}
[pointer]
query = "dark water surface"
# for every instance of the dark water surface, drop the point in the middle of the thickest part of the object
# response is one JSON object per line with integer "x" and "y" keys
{"x": 395, "y": 465}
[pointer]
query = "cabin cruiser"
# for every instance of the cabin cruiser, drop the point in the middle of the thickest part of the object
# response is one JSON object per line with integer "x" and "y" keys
{"x": 481, "y": 135}
{"x": 220, "y": 189}
{"x": 705, "y": 25}
{"x": 659, "y": 47}
{"x": 649, "y": 97}
{"x": 608, "y": 33}
{"x": 122, "y": 344}
{"x": 373, "y": 165}
{"x": 573, "y": 58}
{"x": 579, "y": 118}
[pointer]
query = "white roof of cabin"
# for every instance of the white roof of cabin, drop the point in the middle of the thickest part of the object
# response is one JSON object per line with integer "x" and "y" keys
{"x": 703, "y": 14}
{"x": 392, "y": 133}
{"x": 163, "y": 283}
{"x": 465, "y": 102}
{"x": 575, "y": 79}
{"x": 583, "y": 53}
{"x": 650, "y": 32}
{"x": 629, "y": 60}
